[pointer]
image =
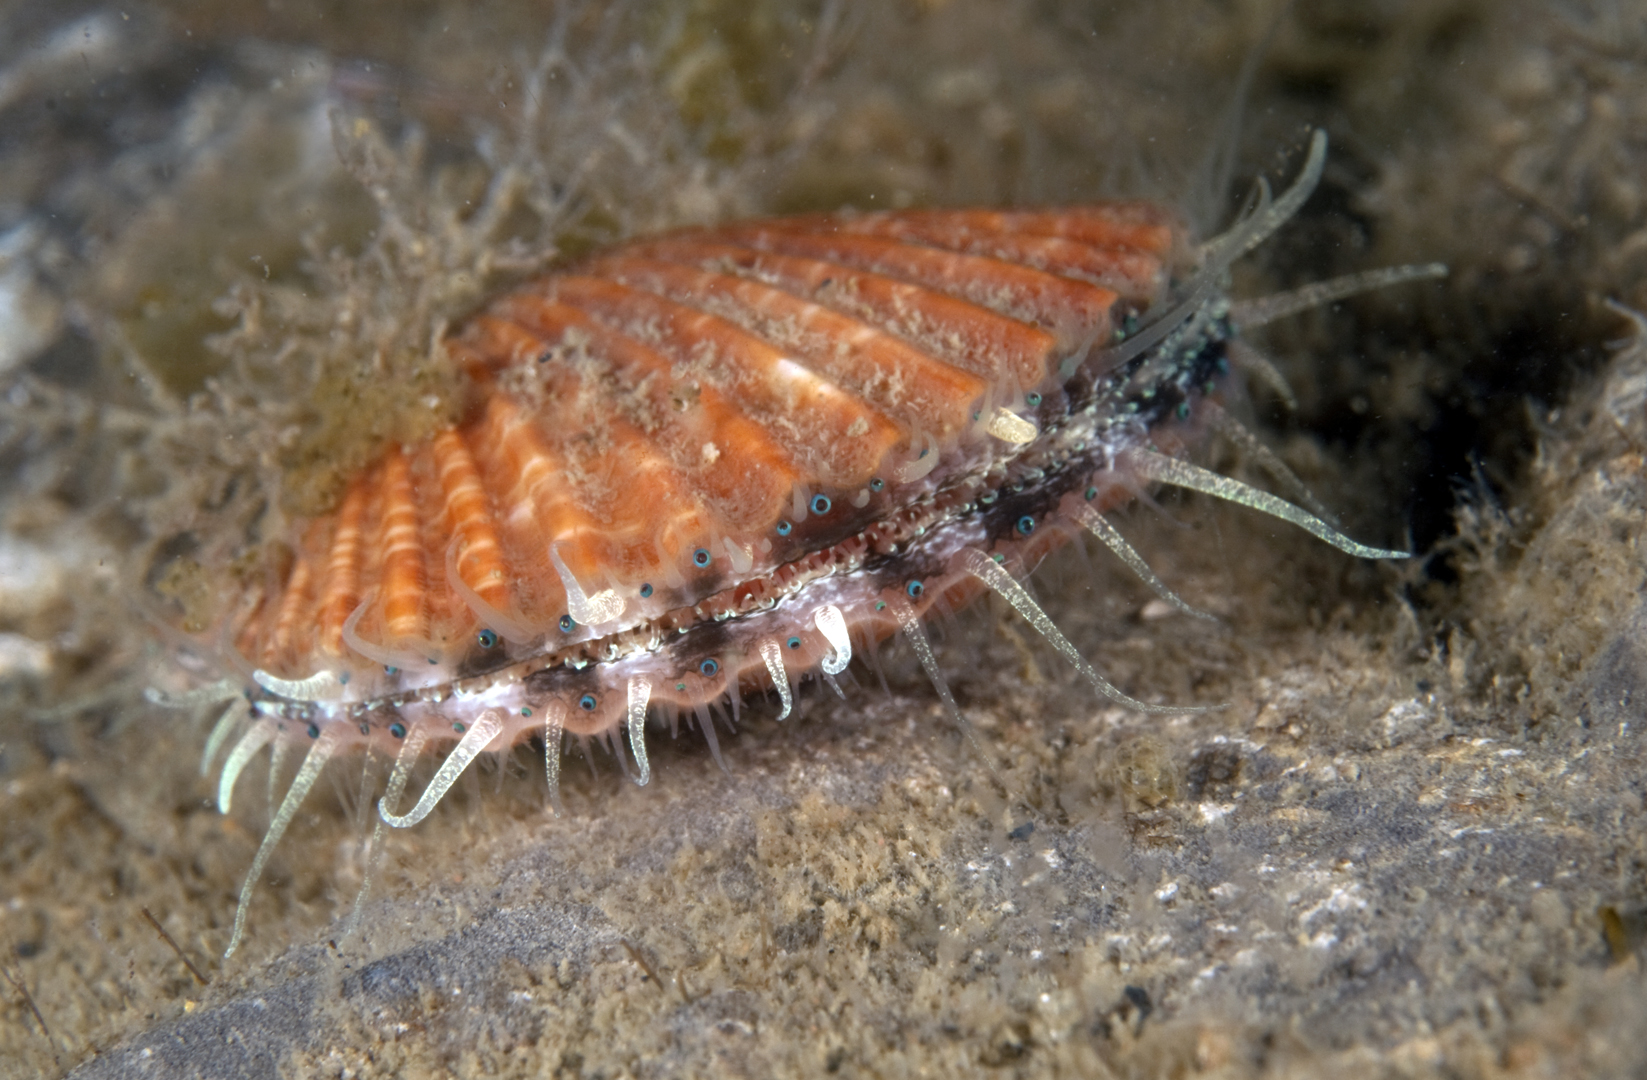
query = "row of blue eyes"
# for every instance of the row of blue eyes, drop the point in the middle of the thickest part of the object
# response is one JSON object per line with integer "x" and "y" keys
{"x": 820, "y": 505}
{"x": 489, "y": 639}
{"x": 701, "y": 559}
{"x": 709, "y": 668}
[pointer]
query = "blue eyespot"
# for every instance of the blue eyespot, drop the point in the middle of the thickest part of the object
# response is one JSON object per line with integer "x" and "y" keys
{"x": 794, "y": 643}
{"x": 1183, "y": 410}
{"x": 365, "y": 729}
{"x": 567, "y": 623}
{"x": 999, "y": 558}
{"x": 459, "y": 727}
{"x": 390, "y": 669}
{"x": 1033, "y": 399}
{"x": 314, "y": 731}
{"x": 700, "y": 558}
{"x": 681, "y": 687}
{"x": 914, "y": 589}
{"x": 525, "y": 711}
{"x": 876, "y": 483}
{"x": 587, "y": 703}
{"x": 708, "y": 668}
{"x": 880, "y": 605}
{"x": 397, "y": 729}
{"x": 1092, "y": 493}
{"x": 820, "y": 504}
{"x": 785, "y": 528}
{"x": 1026, "y": 525}
{"x": 487, "y": 639}
{"x": 646, "y": 590}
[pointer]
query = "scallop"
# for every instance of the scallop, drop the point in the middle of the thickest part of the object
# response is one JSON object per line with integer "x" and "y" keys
{"x": 691, "y": 428}
{"x": 718, "y": 461}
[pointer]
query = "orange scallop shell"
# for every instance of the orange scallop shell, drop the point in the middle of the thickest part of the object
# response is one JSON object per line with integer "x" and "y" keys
{"x": 688, "y": 414}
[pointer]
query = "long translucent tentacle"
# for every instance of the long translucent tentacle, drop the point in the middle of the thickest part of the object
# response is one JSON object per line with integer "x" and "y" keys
{"x": 910, "y": 623}
{"x": 640, "y": 693}
{"x": 1265, "y": 458}
{"x": 239, "y": 709}
{"x": 221, "y": 690}
{"x": 1167, "y": 470}
{"x": 1217, "y": 256}
{"x": 554, "y": 725}
{"x": 1246, "y": 314}
{"x": 832, "y": 625}
{"x": 256, "y": 738}
{"x": 401, "y": 658}
{"x": 277, "y": 763}
{"x": 706, "y": 724}
{"x": 321, "y": 686}
{"x": 1159, "y": 330}
{"x": 1223, "y": 250}
{"x": 986, "y": 570}
{"x": 409, "y": 751}
{"x": 1101, "y": 528}
{"x": 602, "y": 607}
{"x": 313, "y": 762}
{"x": 915, "y": 633}
{"x": 1214, "y": 173}
{"x": 477, "y": 738}
{"x": 513, "y": 631}
{"x": 1255, "y": 361}
{"x": 772, "y": 653}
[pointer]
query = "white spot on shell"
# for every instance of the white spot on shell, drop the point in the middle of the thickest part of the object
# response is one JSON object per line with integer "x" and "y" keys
{"x": 1012, "y": 428}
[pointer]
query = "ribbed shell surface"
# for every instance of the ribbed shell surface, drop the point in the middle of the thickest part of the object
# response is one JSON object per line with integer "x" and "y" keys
{"x": 694, "y": 413}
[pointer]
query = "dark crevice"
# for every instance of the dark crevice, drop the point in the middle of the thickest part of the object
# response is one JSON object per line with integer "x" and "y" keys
{"x": 1431, "y": 390}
